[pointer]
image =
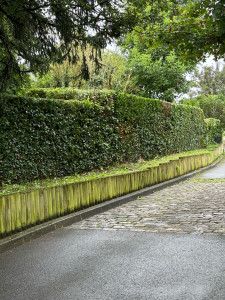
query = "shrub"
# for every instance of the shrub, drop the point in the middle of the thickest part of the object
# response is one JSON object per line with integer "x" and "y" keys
{"x": 214, "y": 131}
{"x": 213, "y": 106}
{"x": 41, "y": 138}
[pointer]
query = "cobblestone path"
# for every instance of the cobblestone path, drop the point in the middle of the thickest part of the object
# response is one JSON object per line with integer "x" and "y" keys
{"x": 196, "y": 206}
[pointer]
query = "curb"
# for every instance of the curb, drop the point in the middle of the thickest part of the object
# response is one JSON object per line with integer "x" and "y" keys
{"x": 37, "y": 231}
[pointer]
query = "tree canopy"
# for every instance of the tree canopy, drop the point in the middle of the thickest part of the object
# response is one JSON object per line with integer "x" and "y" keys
{"x": 193, "y": 28}
{"x": 210, "y": 80}
{"x": 155, "y": 72}
{"x": 111, "y": 75}
{"x": 35, "y": 32}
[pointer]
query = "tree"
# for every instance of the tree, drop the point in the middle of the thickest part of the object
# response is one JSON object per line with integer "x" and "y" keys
{"x": 193, "y": 28}
{"x": 155, "y": 72}
{"x": 210, "y": 80}
{"x": 34, "y": 33}
{"x": 65, "y": 74}
{"x": 112, "y": 73}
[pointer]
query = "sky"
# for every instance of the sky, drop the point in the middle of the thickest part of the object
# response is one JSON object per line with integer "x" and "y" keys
{"x": 211, "y": 62}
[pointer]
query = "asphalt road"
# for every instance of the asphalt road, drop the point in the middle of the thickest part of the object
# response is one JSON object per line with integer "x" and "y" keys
{"x": 216, "y": 173}
{"x": 98, "y": 264}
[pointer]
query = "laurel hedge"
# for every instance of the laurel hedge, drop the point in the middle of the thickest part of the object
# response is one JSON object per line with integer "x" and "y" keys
{"x": 44, "y": 138}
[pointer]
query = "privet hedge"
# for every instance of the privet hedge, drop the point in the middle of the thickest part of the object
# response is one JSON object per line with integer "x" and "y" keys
{"x": 42, "y": 138}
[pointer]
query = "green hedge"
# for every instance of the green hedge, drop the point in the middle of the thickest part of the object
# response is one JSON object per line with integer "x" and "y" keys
{"x": 214, "y": 131}
{"x": 102, "y": 97}
{"x": 41, "y": 138}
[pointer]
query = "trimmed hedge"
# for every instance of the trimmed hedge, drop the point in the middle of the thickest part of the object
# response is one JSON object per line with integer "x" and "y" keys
{"x": 102, "y": 97}
{"x": 214, "y": 131}
{"x": 41, "y": 138}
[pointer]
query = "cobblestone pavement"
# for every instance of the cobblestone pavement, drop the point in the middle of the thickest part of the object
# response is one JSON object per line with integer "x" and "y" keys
{"x": 195, "y": 206}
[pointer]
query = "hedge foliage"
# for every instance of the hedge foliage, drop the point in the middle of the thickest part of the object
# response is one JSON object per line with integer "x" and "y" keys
{"x": 213, "y": 131}
{"x": 42, "y": 138}
{"x": 102, "y": 97}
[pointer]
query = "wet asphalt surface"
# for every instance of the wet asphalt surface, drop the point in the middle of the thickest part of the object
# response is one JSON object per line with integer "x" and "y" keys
{"x": 97, "y": 264}
{"x": 215, "y": 173}
{"x": 101, "y": 264}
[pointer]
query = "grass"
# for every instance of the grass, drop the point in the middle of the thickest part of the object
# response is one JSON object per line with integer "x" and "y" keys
{"x": 125, "y": 168}
{"x": 207, "y": 180}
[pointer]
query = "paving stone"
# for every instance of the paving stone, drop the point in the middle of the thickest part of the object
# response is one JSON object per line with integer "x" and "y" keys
{"x": 193, "y": 206}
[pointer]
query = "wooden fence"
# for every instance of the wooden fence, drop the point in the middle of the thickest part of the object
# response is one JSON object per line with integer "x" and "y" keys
{"x": 22, "y": 210}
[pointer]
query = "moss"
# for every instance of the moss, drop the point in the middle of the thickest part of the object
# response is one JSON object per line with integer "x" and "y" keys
{"x": 204, "y": 181}
{"x": 118, "y": 170}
